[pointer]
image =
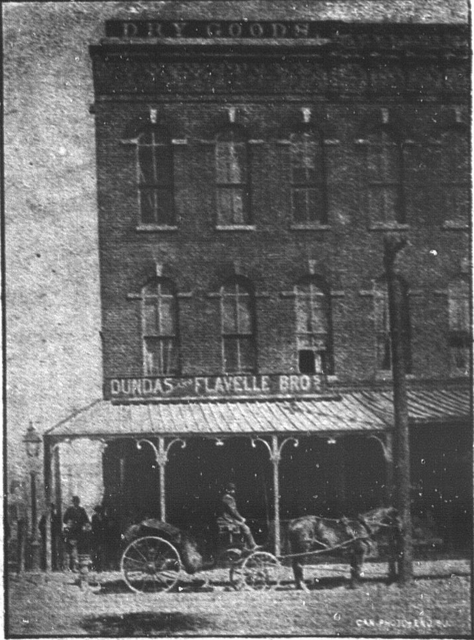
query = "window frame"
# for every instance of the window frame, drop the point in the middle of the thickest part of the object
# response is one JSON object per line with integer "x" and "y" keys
{"x": 160, "y": 337}
{"x": 231, "y": 136}
{"x": 378, "y": 181}
{"x": 381, "y": 301}
{"x": 318, "y": 159}
{"x": 311, "y": 340}
{"x": 451, "y": 159}
{"x": 459, "y": 337}
{"x": 243, "y": 289}
{"x": 155, "y": 186}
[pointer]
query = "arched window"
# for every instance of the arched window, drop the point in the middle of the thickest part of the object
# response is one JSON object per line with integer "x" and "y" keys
{"x": 384, "y": 179}
{"x": 455, "y": 154}
{"x": 160, "y": 329}
{"x": 155, "y": 177}
{"x": 459, "y": 326}
{"x": 382, "y": 326}
{"x": 313, "y": 327}
{"x": 238, "y": 327}
{"x": 232, "y": 178}
{"x": 308, "y": 194}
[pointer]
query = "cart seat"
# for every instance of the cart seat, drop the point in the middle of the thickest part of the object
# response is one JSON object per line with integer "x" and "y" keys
{"x": 229, "y": 533}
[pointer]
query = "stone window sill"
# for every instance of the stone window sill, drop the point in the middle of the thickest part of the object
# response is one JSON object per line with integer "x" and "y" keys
{"x": 235, "y": 227}
{"x": 453, "y": 224}
{"x": 388, "y": 375}
{"x": 156, "y": 227}
{"x": 393, "y": 226}
{"x": 310, "y": 227}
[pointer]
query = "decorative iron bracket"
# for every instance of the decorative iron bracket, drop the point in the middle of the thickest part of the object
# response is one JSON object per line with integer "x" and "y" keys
{"x": 161, "y": 454}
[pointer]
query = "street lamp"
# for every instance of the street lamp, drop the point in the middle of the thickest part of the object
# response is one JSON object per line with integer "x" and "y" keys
{"x": 32, "y": 441}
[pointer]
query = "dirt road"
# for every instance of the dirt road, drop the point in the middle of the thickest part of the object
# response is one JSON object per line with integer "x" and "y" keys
{"x": 437, "y": 603}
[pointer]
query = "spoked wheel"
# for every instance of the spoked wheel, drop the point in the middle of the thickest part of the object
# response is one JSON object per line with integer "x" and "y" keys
{"x": 151, "y": 565}
{"x": 260, "y": 571}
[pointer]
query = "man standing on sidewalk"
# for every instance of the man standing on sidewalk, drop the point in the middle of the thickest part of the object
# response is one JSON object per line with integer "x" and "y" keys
{"x": 75, "y": 520}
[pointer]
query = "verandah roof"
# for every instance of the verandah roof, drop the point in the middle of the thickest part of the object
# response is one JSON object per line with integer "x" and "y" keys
{"x": 359, "y": 411}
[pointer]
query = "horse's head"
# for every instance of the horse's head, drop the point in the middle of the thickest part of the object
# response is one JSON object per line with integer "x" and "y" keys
{"x": 381, "y": 520}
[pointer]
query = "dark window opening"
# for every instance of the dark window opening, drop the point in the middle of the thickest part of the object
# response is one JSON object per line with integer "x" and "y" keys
{"x": 306, "y": 361}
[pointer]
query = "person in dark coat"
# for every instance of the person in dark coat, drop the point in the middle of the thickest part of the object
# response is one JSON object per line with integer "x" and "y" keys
{"x": 99, "y": 538}
{"x": 230, "y": 513}
{"x": 76, "y": 526}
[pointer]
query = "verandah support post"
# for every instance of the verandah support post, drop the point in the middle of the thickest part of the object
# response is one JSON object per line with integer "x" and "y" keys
{"x": 392, "y": 246}
{"x": 161, "y": 457}
{"x": 275, "y": 457}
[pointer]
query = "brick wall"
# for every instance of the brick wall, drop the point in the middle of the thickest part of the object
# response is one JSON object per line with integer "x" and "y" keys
{"x": 348, "y": 254}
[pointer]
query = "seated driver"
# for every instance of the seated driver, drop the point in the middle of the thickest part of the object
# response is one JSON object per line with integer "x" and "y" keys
{"x": 230, "y": 513}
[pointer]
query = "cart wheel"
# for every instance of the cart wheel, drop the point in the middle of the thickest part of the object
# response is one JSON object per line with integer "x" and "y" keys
{"x": 150, "y": 565}
{"x": 261, "y": 571}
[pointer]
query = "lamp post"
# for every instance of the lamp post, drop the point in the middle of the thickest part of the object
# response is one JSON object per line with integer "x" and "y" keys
{"x": 32, "y": 441}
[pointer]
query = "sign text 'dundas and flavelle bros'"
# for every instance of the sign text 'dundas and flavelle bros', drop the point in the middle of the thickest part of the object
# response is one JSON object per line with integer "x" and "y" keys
{"x": 205, "y": 29}
{"x": 225, "y": 386}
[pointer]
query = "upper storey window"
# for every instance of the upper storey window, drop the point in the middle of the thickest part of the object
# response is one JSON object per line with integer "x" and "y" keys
{"x": 459, "y": 326}
{"x": 382, "y": 326}
{"x": 308, "y": 197}
{"x": 238, "y": 327}
{"x": 159, "y": 329}
{"x": 313, "y": 327}
{"x": 155, "y": 177}
{"x": 232, "y": 178}
{"x": 384, "y": 179}
{"x": 455, "y": 154}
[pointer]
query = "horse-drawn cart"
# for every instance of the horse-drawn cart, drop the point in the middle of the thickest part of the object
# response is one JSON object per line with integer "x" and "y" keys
{"x": 158, "y": 555}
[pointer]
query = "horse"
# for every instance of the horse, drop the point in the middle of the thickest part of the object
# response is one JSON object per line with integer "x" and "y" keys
{"x": 351, "y": 538}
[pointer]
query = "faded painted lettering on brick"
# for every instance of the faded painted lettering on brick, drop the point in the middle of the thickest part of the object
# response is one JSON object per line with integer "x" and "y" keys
{"x": 211, "y": 29}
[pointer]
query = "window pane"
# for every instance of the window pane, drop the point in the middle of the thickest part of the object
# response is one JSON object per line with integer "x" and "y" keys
{"x": 164, "y": 207}
{"x": 164, "y": 165}
{"x": 229, "y": 319}
{"x": 146, "y": 165}
{"x": 316, "y": 205}
{"x": 456, "y": 154}
{"x": 151, "y": 318}
{"x": 169, "y": 356}
{"x": 231, "y": 355}
{"x": 300, "y": 205}
{"x": 303, "y": 313}
{"x": 148, "y": 206}
{"x": 245, "y": 315}
{"x": 384, "y": 203}
{"x": 384, "y": 354}
{"x": 457, "y": 202}
{"x": 231, "y": 162}
{"x": 160, "y": 357}
{"x": 247, "y": 354}
{"x": 167, "y": 316}
{"x": 230, "y": 206}
{"x": 458, "y": 301}
{"x": 460, "y": 359}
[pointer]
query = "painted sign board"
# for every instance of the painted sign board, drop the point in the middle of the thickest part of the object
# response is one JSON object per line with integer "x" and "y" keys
{"x": 225, "y": 386}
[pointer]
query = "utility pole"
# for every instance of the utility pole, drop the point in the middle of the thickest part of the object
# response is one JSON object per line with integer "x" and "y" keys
{"x": 392, "y": 246}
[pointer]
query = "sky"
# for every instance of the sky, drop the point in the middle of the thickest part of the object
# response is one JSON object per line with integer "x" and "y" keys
{"x": 53, "y": 347}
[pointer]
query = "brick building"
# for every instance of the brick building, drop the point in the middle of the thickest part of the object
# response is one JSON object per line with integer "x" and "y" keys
{"x": 248, "y": 173}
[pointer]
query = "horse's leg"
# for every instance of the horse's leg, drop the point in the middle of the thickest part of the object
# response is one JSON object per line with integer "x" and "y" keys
{"x": 356, "y": 561}
{"x": 298, "y": 573}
